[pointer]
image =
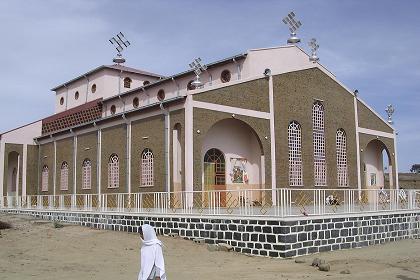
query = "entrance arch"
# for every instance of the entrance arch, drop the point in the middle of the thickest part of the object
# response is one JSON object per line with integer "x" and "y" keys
{"x": 233, "y": 157}
{"x": 13, "y": 170}
{"x": 377, "y": 160}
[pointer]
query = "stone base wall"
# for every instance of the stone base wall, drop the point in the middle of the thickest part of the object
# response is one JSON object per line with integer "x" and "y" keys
{"x": 283, "y": 238}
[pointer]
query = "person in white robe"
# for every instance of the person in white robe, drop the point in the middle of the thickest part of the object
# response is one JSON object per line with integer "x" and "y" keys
{"x": 152, "y": 264}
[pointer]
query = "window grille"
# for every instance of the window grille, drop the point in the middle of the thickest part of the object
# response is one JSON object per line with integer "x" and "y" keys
{"x": 127, "y": 82}
{"x": 64, "y": 176}
{"x": 342, "y": 176}
{"x": 295, "y": 154}
{"x": 113, "y": 171}
{"x": 320, "y": 173}
{"x": 44, "y": 179}
{"x": 146, "y": 168}
{"x": 86, "y": 174}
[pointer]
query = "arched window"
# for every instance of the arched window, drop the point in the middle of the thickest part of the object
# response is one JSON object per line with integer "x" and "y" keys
{"x": 320, "y": 173}
{"x": 225, "y": 76}
{"x": 146, "y": 168}
{"x": 44, "y": 178}
{"x": 136, "y": 102}
{"x": 341, "y": 148}
{"x": 64, "y": 176}
{"x": 76, "y": 95}
{"x": 86, "y": 174}
{"x": 127, "y": 82}
{"x": 161, "y": 95}
{"x": 295, "y": 154}
{"x": 93, "y": 88}
{"x": 113, "y": 110}
{"x": 113, "y": 171}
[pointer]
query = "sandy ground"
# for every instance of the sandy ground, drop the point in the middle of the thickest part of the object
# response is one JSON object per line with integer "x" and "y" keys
{"x": 34, "y": 249}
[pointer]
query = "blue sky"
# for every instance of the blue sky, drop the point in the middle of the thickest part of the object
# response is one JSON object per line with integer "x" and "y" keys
{"x": 371, "y": 46}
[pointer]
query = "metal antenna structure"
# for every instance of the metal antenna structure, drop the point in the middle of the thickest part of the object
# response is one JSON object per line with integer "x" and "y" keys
{"x": 120, "y": 43}
{"x": 390, "y": 111}
{"x": 314, "y": 47}
{"x": 198, "y": 69}
{"x": 293, "y": 26}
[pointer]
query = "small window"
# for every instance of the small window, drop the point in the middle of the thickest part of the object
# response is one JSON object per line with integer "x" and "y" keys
{"x": 93, "y": 88}
{"x": 61, "y": 100}
{"x": 44, "y": 179}
{"x": 225, "y": 76}
{"x": 64, "y": 176}
{"x": 86, "y": 174}
{"x": 136, "y": 102}
{"x": 146, "y": 168}
{"x": 113, "y": 109}
{"x": 190, "y": 85}
{"x": 127, "y": 82}
{"x": 76, "y": 95}
{"x": 145, "y": 83}
{"x": 161, "y": 95}
{"x": 113, "y": 171}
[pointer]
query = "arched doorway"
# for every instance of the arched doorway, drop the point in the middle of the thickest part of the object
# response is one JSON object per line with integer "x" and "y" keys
{"x": 13, "y": 170}
{"x": 376, "y": 161}
{"x": 233, "y": 160}
{"x": 215, "y": 174}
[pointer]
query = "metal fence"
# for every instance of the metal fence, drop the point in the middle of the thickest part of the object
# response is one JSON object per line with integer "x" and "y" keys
{"x": 263, "y": 202}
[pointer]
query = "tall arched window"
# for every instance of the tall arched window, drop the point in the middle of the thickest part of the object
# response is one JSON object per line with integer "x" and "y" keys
{"x": 44, "y": 178}
{"x": 320, "y": 176}
{"x": 295, "y": 154}
{"x": 86, "y": 174}
{"x": 340, "y": 141}
{"x": 127, "y": 82}
{"x": 64, "y": 176}
{"x": 113, "y": 171}
{"x": 146, "y": 168}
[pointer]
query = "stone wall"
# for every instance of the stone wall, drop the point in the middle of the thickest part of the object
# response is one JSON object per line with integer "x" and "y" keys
{"x": 260, "y": 236}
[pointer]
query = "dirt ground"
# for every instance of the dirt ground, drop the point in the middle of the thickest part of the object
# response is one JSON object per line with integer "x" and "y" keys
{"x": 34, "y": 249}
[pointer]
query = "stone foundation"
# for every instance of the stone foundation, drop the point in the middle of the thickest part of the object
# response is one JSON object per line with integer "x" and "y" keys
{"x": 270, "y": 237}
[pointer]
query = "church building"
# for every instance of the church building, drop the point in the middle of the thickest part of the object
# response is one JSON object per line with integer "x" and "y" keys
{"x": 265, "y": 119}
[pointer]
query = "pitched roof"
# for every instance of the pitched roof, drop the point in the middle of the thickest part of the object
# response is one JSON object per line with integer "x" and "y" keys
{"x": 113, "y": 67}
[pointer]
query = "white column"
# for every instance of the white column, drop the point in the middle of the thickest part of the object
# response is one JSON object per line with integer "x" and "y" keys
{"x": 129, "y": 156}
{"x": 356, "y": 123}
{"x": 55, "y": 167}
{"x": 75, "y": 164}
{"x": 272, "y": 140}
{"x": 397, "y": 185}
{"x": 2, "y": 159}
{"x": 17, "y": 175}
{"x": 168, "y": 151}
{"x": 189, "y": 179}
{"x": 24, "y": 165}
{"x": 99, "y": 162}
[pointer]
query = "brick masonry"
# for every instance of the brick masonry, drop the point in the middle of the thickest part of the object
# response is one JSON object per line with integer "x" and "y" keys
{"x": 259, "y": 236}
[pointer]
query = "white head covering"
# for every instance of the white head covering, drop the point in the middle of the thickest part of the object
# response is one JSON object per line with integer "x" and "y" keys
{"x": 151, "y": 254}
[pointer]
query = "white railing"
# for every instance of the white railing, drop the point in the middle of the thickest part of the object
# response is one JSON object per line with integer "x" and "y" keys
{"x": 277, "y": 203}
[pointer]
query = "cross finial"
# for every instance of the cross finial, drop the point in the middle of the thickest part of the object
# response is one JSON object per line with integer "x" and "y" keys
{"x": 314, "y": 47}
{"x": 293, "y": 25}
{"x": 390, "y": 111}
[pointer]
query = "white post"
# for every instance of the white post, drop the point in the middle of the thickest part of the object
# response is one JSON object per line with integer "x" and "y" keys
{"x": 129, "y": 156}
{"x": 98, "y": 167}
{"x": 24, "y": 163}
{"x": 356, "y": 123}
{"x": 272, "y": 140}
{"x": 75, "y": 164}
{"x": 397, "y": 185}
{"x": 188, "y": 148}
{"x": 55, "y": 167}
